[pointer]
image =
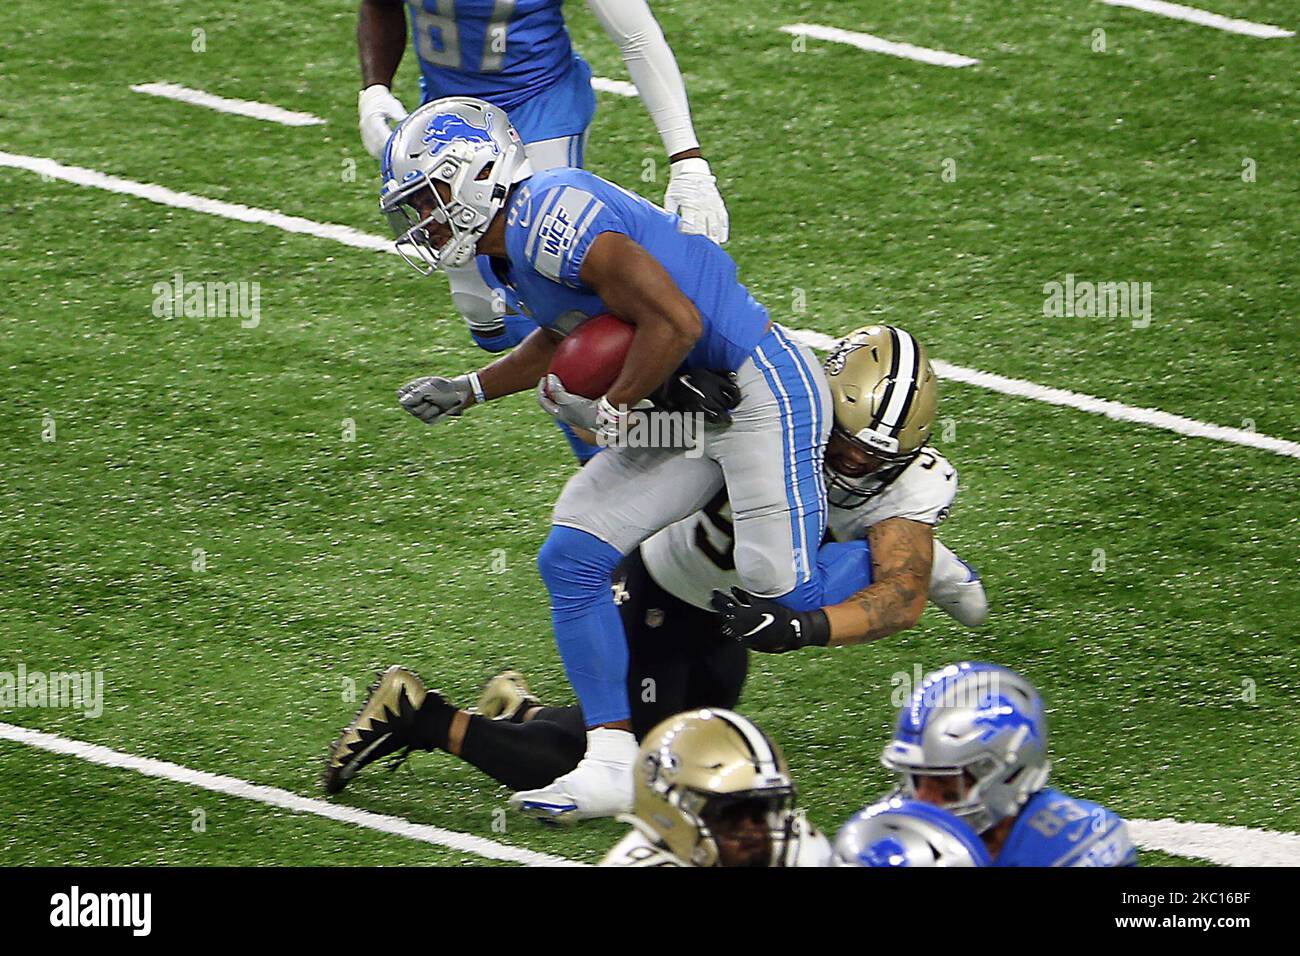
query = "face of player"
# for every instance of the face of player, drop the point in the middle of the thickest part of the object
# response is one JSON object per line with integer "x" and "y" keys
{"x": 743, "y": 834}
{"x": 846, "y": 457}
{"x": 942, "y": 791}
{"x": 422, "y": 202}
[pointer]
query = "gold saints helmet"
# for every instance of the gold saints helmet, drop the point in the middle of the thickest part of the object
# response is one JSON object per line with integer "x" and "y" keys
{"x": 694, "y": 767}
{"x": 885, "y": 393}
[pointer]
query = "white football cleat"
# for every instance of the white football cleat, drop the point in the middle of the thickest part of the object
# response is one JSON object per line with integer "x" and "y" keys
{"x": 600, "y": 786}
{"x": 956, "y": 588}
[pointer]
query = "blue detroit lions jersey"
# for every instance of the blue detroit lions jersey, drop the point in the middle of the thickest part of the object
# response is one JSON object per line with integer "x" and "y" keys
{"x": 502, "y": 51}
{"x": 1055, "y": 830}
{"x": 555, "y": 216}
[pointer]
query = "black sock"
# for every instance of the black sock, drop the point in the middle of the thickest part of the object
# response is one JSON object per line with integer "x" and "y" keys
{"x": 432, "y": 724}
{"x": 570, "y": 718}
{"x": 522, "y": 756}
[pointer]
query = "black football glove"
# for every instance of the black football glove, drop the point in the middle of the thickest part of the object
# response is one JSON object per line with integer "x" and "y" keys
{"x": 700, "y": 390}
{"x": 763, "y": 625}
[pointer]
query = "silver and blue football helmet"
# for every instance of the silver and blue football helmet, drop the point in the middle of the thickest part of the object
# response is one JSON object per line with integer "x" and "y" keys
{"x": 471, "y": 148}
{"x": 979, "y": 720}
{"x": 899, "y": 832}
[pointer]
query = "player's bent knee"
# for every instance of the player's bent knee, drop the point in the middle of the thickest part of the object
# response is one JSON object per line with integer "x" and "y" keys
{"x": 841, "y": 570}
{"x": 763, "y": 573}
{"x": 576, "y": 567}
{"x": 808, "y": 595}
{"x": 479, "y": 311}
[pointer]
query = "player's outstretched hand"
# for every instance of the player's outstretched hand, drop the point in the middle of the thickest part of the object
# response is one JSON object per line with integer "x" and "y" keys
{"x": 763, "y": 625}
{"x": 378, "y": 111}
{"x": 700, "y": 391}
{"x": 693, "y": 194}
{"x": 433, "y": 398}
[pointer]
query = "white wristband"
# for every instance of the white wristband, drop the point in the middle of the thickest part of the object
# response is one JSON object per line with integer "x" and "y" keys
{"x": 608, "y": 412}
{"x": 692, "y": 164}
{"x": 477, "y": 388}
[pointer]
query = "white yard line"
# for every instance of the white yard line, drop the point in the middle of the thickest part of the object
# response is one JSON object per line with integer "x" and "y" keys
{"x": 1176, "y": 11}
{"x": 1116, "y": 410}
{"x": 619, "y": 87}
{"x": 213, "y": 207}
{"x": 1225, "y": 845}
{"x": 1018, "y": 388}
{"x": 222, "y": 104}
{"x": 275, "y": 797}
{"x": 875, "y": 44}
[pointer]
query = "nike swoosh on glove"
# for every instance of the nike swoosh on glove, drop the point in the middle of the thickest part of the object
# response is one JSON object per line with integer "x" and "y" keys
{"x": 763, "y": 625}
{"x": 700, "y": 391}
{"x": 693, "y": 195}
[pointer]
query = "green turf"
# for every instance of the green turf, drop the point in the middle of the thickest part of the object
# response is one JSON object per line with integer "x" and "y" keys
{"x": 75, "y": 813}
{"x": 328, "y": 559}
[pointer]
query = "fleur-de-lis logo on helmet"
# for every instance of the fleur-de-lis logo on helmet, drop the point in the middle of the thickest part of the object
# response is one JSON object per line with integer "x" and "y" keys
{"x": 835, "y": 362}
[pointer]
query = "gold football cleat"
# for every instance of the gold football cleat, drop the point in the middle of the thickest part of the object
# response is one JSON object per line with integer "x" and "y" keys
{"x": 504, "y": 696}
{"x": 382, "y": 726}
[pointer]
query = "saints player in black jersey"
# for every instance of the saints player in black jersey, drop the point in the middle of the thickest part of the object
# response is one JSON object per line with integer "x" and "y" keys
{"x": 885, "y": 486}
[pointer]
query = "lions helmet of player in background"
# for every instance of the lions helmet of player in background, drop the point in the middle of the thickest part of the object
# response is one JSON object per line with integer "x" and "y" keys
{"x": 979, "y": 720}
{"x": 899, "y": 832}
{"x": 885, "y": 394}
{"x": 470, "y": 147}
{"x": 695, "y": 765}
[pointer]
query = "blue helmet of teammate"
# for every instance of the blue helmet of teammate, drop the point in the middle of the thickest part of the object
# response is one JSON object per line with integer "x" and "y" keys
{"x": 450, "y": 163}
{"x": 900, "y": 832}
{"x": 979, "y": 722}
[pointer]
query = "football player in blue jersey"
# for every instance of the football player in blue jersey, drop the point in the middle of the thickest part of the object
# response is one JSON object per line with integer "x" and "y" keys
{"x": 516, "y": 54}
{"x": 972, "y": 740}
{"x": 571, "y": 245}
{"x": 896, "y": 832}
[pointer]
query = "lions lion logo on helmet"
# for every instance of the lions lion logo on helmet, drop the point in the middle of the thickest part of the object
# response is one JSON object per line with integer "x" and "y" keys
{"x": 448, "y": 128}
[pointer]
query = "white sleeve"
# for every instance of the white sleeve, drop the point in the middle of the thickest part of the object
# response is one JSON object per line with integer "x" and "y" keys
{"x": 924, "y": 492}
{"x": 650, "y": 60}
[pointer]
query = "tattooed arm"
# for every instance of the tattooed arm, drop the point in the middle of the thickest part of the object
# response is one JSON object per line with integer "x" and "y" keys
{"x": 901, "y": 553}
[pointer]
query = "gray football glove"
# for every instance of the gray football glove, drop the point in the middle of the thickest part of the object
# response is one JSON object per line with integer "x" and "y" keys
{"x": 596, "y": 415}
{"x": 433, "y": 398}
{"x": 565, "y": 406}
